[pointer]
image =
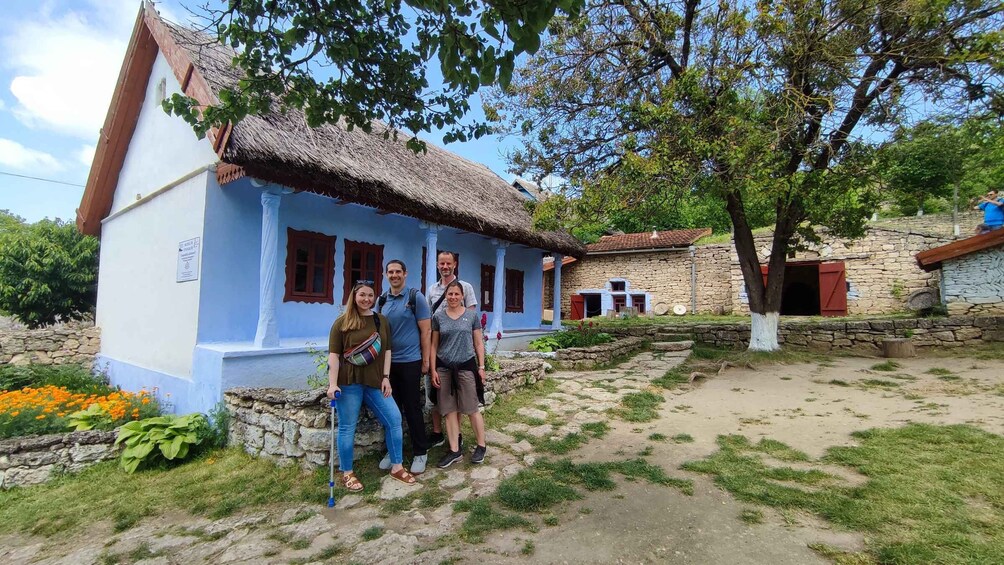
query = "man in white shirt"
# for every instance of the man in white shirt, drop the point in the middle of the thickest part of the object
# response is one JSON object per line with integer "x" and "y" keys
{"x": 446, "y": 264}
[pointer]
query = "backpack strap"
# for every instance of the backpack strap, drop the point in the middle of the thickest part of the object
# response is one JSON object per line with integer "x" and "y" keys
{"x": 380, "y": 302}
{"x": 411, "y": 299}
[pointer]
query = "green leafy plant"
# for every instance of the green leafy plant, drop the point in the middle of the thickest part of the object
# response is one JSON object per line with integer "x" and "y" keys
{"x": 95, "y": 417}
{"x": 168, "y": 438}
{"x": 492, "y": 362}
{"x": 319, "y": 378}
{"x": 582, "y": 335}
{"x": 546, "y": 344}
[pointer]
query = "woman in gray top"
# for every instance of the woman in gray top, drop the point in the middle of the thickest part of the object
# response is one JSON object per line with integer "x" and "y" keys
{"x": 458, "y": 360}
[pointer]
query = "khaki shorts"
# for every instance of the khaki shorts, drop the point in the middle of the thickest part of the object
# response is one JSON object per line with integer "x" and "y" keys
{"x": 466, "y": 399}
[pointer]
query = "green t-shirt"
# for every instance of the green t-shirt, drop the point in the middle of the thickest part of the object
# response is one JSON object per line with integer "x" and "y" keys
{"x": 341, "y": 341}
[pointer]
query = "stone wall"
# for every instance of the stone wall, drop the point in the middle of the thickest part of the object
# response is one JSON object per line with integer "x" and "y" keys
{"x": 934, "y": 224}
{"x": 53, "y": 346}
{"x": 880, "y": 268}
{"x": 589, "y": 357}
{"x": 34, "y": 459}
{"x": 291, "y": 426}
{"x": 974, "y": 283}
{"x": 861, "y": 335}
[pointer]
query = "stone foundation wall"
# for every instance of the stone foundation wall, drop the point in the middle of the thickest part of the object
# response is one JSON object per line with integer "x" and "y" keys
{"x": 57, "y": 346}
{"x": 974, "y": 284}
{"x": 291, "y": 426}
{"x": 34, "y": 459}
{"x": 589, "y": 357}
{"x": 861, "y": 335}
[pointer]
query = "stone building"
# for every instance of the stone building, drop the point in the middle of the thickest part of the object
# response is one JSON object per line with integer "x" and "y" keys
{"x": 972, "y": 273}
{"x": 874, "y": 274}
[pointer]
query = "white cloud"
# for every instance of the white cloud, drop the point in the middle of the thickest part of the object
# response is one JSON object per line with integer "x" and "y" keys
{"x": 17, "y": 156}
{"x": 85, "y": 155}
{"x": 65, "y": 65}
{"x": 2, "y": 104}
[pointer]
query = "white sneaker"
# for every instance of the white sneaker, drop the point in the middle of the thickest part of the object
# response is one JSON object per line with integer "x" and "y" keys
{"x": 385, "y": 462}
{"x": 418, "y": 464}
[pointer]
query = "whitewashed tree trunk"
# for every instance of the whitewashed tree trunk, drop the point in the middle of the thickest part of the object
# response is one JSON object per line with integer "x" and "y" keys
{"x": 763, "y": 332}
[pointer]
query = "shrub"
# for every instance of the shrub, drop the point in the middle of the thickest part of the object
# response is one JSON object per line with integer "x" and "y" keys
{"x": 164, "y": 438}
{"x": 48, "y": 272}
{"x": 72, "y": 377}
{"x": 582, "y": 335}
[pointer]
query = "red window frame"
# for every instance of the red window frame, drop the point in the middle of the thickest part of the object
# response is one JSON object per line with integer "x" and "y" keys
{"x": 367, "y": 270}
{"x": 319, "y": 254}
{"x": 487, "y": 288}
{"x": 514, "y": 290}
{"x": 638, "y": 302}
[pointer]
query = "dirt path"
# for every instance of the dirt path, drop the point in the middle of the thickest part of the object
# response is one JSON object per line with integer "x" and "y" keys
{"x": 808, "y": 406}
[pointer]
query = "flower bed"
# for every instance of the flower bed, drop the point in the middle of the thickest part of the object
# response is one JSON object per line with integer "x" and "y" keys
{"x": 579, "y": 336}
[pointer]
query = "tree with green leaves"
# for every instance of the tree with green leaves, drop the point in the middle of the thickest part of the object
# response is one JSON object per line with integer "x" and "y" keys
{"x": 754, "y": 105}
{"x": 921, "y": 163}
{"x": 375, "y": 57}
{"x": 48, "y": 271}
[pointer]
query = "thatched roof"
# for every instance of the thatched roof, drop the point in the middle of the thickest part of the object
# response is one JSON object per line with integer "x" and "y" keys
{"x": 437, "y": 186}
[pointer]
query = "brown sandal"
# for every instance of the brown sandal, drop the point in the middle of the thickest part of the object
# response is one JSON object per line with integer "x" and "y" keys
{"x": 404, "y": 476}
{"x": 350, "y": 482}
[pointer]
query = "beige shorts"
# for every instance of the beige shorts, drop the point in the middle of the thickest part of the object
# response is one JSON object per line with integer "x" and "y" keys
{"x": 466, "y": 399}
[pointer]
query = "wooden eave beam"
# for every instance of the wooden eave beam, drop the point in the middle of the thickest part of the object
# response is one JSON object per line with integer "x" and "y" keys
{"x": 931, "y": 259}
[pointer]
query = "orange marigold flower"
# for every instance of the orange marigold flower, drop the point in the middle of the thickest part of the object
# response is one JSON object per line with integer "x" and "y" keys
{"x": 14, "y": 414}
{"x": 40, "y": 417}
{"x": 145, "y": 400}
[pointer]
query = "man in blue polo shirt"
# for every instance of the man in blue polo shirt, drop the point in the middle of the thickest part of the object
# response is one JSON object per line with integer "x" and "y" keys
{"x": 411, "y": 332}
{"x": 993, "y": 212}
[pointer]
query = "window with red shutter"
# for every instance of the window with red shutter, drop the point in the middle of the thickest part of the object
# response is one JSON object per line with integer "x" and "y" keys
{"x": 363, "y": 262}
{"x": 513, "y": 290}
{"x": 310, "y": 267}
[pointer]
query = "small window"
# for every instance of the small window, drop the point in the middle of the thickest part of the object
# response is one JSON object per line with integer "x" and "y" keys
{"x": 487, "y": 288}
{"x": 310, "y": 267}
{"x": 620, "y": 302}
{"x": 618, "y": 286}
{"x": 513, "y": 290}
{"x": 363, "y": 262}
{"x": 638, "y": 302}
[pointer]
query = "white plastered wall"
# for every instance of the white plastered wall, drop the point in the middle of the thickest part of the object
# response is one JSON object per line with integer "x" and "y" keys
{"x": 147, "y": 318}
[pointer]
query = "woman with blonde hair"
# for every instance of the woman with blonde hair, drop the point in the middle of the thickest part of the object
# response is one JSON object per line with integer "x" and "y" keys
{"x": 359, "y": 354}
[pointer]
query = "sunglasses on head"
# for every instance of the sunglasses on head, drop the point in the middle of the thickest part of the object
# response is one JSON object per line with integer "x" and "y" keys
{"x": 367, "y": 282}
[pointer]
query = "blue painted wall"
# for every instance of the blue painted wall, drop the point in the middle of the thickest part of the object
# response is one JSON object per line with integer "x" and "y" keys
{"x": 231, "y": 253}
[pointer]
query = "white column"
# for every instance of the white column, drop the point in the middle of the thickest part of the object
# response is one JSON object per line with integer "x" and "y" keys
{"x": 556, "y": 307}
{"x": 268, "y": 326}
{"x": 498, "y": 296}
{"x": 431, "y": 243}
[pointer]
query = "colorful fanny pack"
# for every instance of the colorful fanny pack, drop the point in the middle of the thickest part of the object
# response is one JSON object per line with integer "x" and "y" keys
{"x": 367, "y": 351}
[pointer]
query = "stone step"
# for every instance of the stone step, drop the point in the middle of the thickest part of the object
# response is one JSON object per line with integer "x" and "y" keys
{"x": 672, "y": 345}
{"x": 673, "y": 336}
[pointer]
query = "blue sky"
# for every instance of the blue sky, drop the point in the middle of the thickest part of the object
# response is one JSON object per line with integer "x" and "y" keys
{"x": 60, "y": 60}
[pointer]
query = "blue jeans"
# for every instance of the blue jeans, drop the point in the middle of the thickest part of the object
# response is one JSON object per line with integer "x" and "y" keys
{"x": 385, "y": 409}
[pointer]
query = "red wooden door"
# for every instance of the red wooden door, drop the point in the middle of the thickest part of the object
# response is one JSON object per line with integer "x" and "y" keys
{"x": 578, "y": 307}
{"x": 763, "y": 271}
{"x": 832, "y": 289}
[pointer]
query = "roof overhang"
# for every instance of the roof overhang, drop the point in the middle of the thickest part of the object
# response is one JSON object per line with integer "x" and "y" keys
{"x": 931, "y": 259}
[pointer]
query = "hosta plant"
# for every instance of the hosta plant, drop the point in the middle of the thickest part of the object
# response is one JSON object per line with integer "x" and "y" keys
{"x": 168, "y": 438}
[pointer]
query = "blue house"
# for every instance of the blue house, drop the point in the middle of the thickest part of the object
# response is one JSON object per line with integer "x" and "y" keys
{"x": 225, "y": 259}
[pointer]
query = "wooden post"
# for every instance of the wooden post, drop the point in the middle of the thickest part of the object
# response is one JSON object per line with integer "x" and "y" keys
{"x": 897, "y": 347}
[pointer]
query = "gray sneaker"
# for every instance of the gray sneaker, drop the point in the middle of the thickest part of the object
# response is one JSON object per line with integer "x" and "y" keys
{"x": 478, "y": 457}
{"x": 385, "y": 462}
{"x": 418, "y": 464}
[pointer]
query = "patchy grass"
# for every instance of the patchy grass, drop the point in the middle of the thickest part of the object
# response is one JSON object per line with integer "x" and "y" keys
{"x": 838, "y": 382}
{"x": 751, "y": 516}
{"x": 639, "y": 406}
{"x": 840, "y": 557}
{"x": 683, "y": 438}
{"x": 528, "y": 548}
{"x": 215, "y": 484}
{"x": 939, "y": 371}
{"x": 657, "y": 437}
{"x": 888, "y": 366}
{"x": 934, "y": 493}
{"x": 672, "y": 379}
{"x": 504, "y": 412}
{"x": 879, "y": 383}
{"x": 483, "y": 517}
{"x": 596, "y": 429}
{"x": 372, "y": 533}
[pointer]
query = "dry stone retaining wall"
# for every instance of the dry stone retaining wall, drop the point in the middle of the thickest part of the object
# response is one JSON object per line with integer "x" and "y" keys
{"x": 974, "y": 284}
{"x": 55, "y": 346}
{"x": 589, "y": 357}
{"x": 291, "y": 426}
{"x": 34, "y": 459}
{"x": 861, "y": 335}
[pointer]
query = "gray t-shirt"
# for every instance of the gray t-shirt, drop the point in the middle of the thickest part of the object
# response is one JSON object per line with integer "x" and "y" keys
{"x": 456, "y": 337}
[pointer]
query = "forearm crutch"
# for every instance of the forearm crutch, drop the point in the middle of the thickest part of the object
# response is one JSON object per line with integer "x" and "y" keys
{"x": 331, "y": 455}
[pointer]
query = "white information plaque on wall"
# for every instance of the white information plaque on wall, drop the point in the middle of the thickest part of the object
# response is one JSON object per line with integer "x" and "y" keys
{"x": 188, "y": 260}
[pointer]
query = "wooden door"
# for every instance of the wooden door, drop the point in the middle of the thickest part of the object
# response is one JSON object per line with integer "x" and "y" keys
{"x": 832, "y": 289}
{"x": 578, "y": 307}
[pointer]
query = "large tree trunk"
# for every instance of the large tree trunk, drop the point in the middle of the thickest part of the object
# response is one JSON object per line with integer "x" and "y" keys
{"x": 764, "y": 300}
